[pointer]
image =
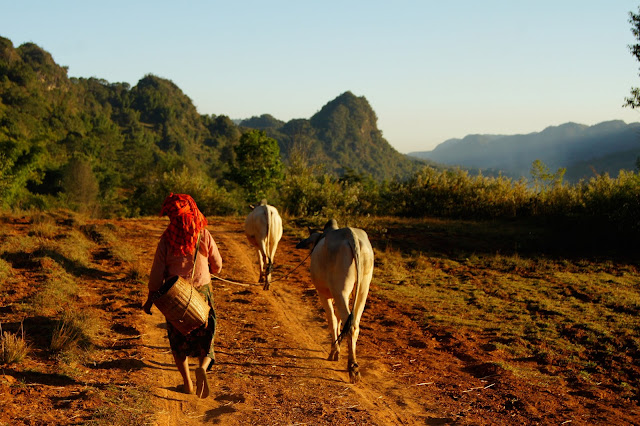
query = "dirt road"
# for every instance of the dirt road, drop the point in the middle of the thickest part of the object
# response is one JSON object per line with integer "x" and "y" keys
{"x": 271, "y": 349}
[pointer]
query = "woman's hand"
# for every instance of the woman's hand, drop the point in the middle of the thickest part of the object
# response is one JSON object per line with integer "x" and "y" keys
{"x": 147, "y": 306}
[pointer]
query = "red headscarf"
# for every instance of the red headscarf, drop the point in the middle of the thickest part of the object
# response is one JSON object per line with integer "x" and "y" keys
{"x": 186, "y": 223}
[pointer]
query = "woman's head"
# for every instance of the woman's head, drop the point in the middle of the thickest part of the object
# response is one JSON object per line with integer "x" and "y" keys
{"x": 186, "y": 221}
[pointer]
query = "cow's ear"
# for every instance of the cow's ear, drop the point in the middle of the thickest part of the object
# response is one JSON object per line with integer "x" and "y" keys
{"x": 313, "y": 231}
{"x": 251, "y": 206}
{"x": 309, "y": 242}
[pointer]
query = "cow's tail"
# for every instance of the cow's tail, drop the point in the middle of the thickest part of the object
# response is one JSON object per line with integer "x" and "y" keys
{"x": 269, "y": 214}
{"x": 347, "y": 328}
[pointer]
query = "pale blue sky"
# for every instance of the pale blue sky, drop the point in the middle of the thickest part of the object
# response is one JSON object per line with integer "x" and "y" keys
{"x": 431, "y": 70}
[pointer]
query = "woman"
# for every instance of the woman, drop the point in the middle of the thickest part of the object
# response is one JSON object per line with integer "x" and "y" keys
{"x": 175, "y": 256}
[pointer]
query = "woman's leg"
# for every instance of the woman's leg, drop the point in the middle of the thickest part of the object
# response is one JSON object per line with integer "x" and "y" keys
{"x": 204, "y": 362}
{"x": 182, "y": 362}
{"x": 202, "y": 383}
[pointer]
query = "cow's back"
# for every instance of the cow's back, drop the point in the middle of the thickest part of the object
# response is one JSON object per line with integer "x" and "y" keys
{"x": 256, "y": 223}
{"x": 333, "y": 260}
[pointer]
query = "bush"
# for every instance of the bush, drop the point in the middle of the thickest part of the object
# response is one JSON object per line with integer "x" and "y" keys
{"x": 210, "y": 197}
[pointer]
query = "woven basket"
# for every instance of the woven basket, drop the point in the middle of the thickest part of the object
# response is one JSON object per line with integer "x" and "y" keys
{"x": 182, "y": 305}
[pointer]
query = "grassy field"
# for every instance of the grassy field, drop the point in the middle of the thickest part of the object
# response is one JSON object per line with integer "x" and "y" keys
{"x": 551, "y": 306}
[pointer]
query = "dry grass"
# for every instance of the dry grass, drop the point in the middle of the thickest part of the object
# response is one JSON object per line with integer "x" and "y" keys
{"x": 6, "y": 273}
{"x": 74, "y": 335}
{"x": 122, "y": 252}
{"x": 57, "y": 292}
{"x": 136, "y": 272}
{"x": 72, "y": 246}
{"x": 13, "y": 347}
{"x": 19, "y": 245}
{"x": 44, "y": 226}
{"x": 124, "y": 405}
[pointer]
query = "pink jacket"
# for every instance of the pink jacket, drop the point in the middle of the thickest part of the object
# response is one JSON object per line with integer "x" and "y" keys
{"x": 166, "y": 264}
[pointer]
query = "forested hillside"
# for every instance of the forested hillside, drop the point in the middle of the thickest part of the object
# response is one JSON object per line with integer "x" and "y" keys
{"x": 77, "y": 140}
{"x": 92, "y": 144}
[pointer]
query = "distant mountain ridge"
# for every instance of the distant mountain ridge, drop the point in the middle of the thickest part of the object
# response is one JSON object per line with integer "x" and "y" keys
{"x": 583, "y": 150}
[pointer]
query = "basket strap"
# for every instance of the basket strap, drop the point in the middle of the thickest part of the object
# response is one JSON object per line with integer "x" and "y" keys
{"x": 188, "y": 303}
{"x": 195, "y": 256}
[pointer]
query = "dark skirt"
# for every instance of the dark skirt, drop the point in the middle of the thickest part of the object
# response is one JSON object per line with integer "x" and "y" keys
{"x": 198, "y": 343}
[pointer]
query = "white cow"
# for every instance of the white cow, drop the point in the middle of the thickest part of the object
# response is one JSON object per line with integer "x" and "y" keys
{"x": 263, "y": 228}
{"x": 341, "y": 263}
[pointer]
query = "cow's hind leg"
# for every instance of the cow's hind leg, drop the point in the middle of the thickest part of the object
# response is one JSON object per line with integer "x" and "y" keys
{"x": 352, "y": 365}
{"x": 334, "y": 327}
{"x": 262, "y": 269}
{"x": 267, "y": 279}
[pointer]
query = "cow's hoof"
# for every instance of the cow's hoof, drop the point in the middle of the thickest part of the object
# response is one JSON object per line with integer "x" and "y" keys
{"x": 354, "y": 372}
{"x": 333, "y": 356}
{"x": 265, "y": 286}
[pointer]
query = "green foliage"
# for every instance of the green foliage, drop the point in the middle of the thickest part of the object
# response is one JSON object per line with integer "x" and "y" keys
{"x": 211, "y": 199}
{"x": 92, "y": 145}
{"x": 223, "y": 136}
{"x": 456, "y": 193}
{"x": 81, "y": 185}
{"x": 258, "y": 167}
{"x": 633, "y": 101}
{"x": 543, "y": 179}
{"x": 265, "y": 121}
{"x": 601, "y": 205}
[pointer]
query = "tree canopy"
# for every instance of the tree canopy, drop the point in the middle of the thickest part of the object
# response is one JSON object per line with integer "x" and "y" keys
{"x": 633, "y": 100}
{"x": 257, "y": 167}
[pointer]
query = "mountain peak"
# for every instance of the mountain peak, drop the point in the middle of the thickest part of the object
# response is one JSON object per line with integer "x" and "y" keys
{"x": 346, "y": 108}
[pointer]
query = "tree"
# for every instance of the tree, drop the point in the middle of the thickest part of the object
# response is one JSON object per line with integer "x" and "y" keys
{"x": 258, "y": 167}
{"x": 634, "y": 19}
{"x": 543, "y": 179}
{"x": 81, "y": 185}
